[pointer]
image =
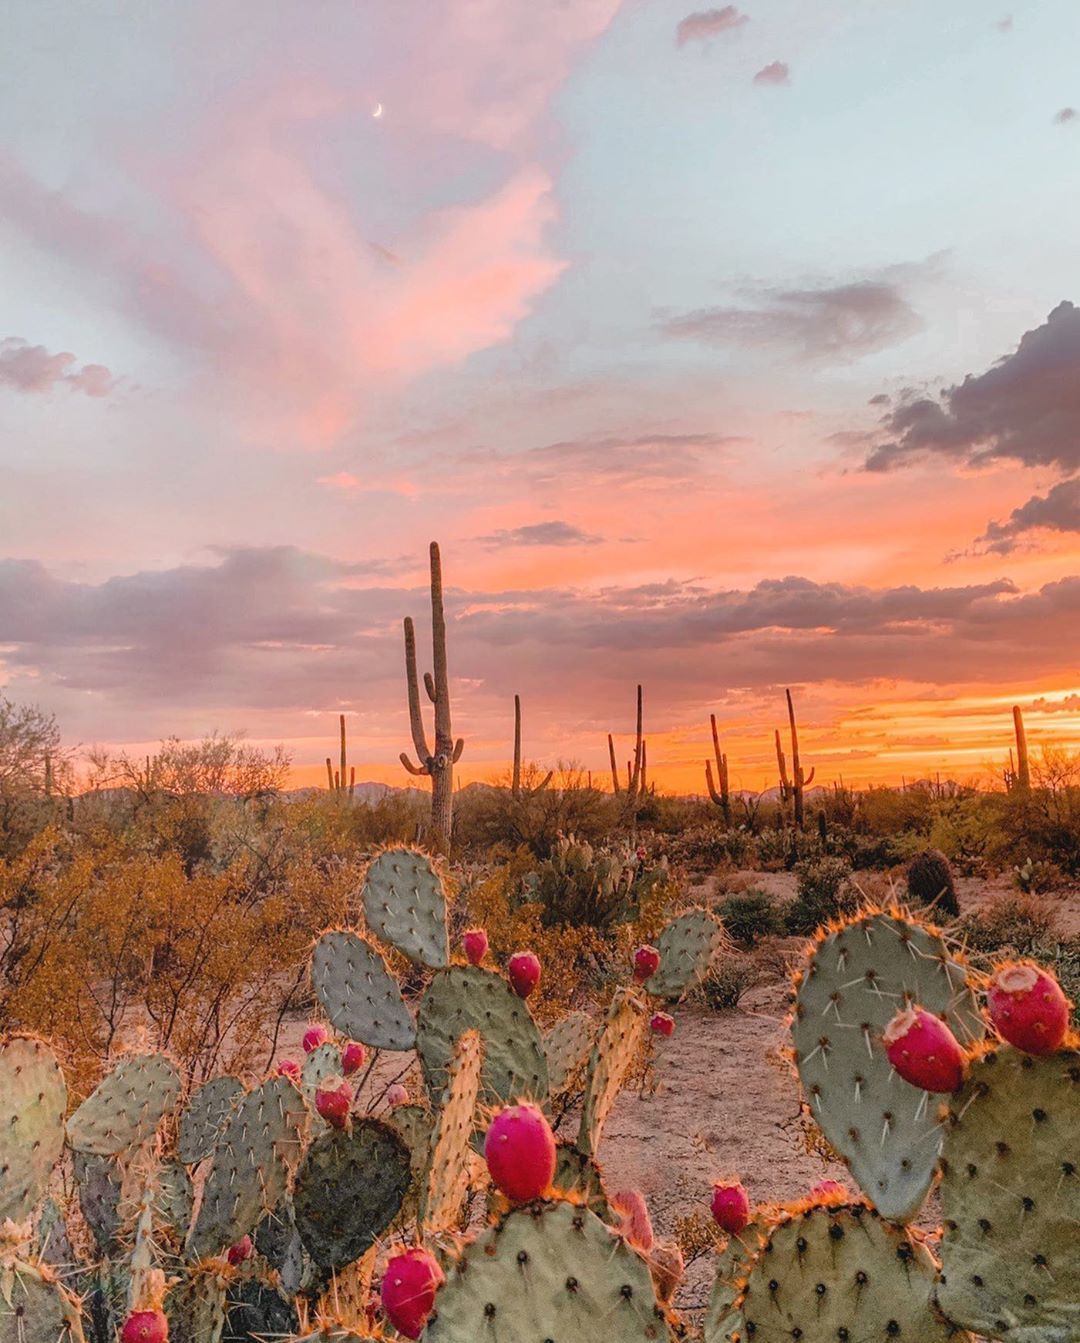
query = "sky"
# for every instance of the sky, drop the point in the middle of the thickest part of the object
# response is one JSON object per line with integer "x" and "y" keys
{"x": 721, "y": 349}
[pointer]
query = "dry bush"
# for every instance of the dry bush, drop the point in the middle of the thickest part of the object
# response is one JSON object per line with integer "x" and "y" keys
{"x": 1010, "y": 922}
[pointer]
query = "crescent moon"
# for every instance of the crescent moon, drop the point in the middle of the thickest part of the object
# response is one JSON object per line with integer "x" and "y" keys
{"x": 377, "y": 111}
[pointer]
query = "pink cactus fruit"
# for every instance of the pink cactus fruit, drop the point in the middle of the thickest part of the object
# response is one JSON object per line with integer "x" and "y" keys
{"x": 661, "y": 1024}
{"x": 291, "y": 1069}
{"x": 1028, "y": 1008}
{"x": 646, "y": 963}
{"x": 520, "y": 1152}
{"x": 475, "y": 942}
{"x": 730, "y": 1206}
{"x": 396, "y": 1095}
{"x": 241, "y": 1251}
{"x": 634, "y": 1220}
{"x": 332, "y": 1101}
{"x": 145, "y": 1326}
{"x": 524, "y": 972}
{"x": 924, "y": 1051}
{"x": 830, "y": 1191}
{"x": 408, "y": 1290}
{"x": 353, "y": 1054}
{"x": 315, "y": 1035}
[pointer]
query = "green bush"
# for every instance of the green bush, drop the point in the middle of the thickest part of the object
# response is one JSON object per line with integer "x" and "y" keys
{"x": 582, "y": 886}
{"x": 825, "y": 891}
{"x": 749, "y": 915}
{"x": 1018, "y": 923}
{"x": 729, "y": 979}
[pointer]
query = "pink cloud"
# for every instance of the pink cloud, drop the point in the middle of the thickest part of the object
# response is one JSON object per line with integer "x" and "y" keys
{"x": 31, "y": 368}
{"x": 776, "y": 72}
{"x": 706, "y": 23}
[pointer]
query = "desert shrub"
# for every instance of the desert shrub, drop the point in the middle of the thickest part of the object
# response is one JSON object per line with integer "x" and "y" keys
{"x": 1036, "y": 877}
{"x": 731, "y": 977}
{"x": 873, "y": 853}
{"x": 750, "y": 915}
{"x": 774, "y": 850}
{"x": 485, "y": 816}
{"x": 580, "y": 885}
{"x": 711, "y": 844}
{"x": 930, "y": 882}
{"x": 824, "y": 891}
{"x": 1018, "y": 923}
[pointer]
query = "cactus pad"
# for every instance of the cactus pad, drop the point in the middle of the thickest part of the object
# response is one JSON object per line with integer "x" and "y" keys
{"x": 858, "y": 977}
{"x": 34, "y": 1308}
{"x": 196, "y": 1307}
{"x": 404, "y": 904}
{"x": 841, "y": 1272}
{"x": 580, "y": 1177}
{"x": 446, "y": 1178}
{"x": 204, "y": 1118}
{"x": 358, "y": 993}
{"x": 551, "y": 1271}
{"x": 33, "y": 1098}
{"x": 724, "y": 1320}
{"x": 687, "y": 946}
{"x": 323, "y": 1062}
{"x": 251, "y": 1165}
{"x": 1010, "y": 1193}
{"x": 98, "y": 1179}
{"x": 349, "y": 1188}
{"x": 612, "y": 1056}
{"x": 466, "y": 998}
{"x": 127, "y": 1106}
{"x": 253, "y": 1311}
{"x": 566, "y": 1047}
{"x": 174, "y": 1197}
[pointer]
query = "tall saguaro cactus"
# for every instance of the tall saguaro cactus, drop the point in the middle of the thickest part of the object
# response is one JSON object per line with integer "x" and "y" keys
{"x": 635, "y": 771}
{"x": 796, "y": 786}
{"x": 336, "y": 779}
{"x": 439, "y": 763}
{"x": 719, "y": 788}
{"x": 515, "y": 785}
{"x": 1023, "y": 769}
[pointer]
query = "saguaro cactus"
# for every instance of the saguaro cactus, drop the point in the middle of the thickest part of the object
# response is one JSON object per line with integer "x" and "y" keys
{"x": 1023, "y": 769}
{"x": 796, "y": 786}
{"x": 335, "y": 779}
{"x": 515, "y": 786}
{"x": 438, "y": 764}
{"x": 635, "y": 770}
{"x": 719, "y": 788}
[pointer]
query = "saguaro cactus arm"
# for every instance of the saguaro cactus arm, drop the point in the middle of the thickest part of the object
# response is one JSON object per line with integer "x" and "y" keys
{"x": 1023, "y": 769}
{"x": 615, "y": 785}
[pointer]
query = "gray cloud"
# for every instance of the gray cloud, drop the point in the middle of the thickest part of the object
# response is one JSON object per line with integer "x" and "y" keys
{"x": 706, "y": 23}
{"x": 1057, "y": 511}
{"x": 1026, "y": 408}
{"x": 31, "y": 368}
{"x": 554, "y": 533}
{"x": 844, "y": 320}
{"x": 776, "y": 72}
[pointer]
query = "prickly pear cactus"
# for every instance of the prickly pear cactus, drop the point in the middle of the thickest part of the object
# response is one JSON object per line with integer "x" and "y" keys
{"x": 33, "y": 1098}
{"x": 349, "y": 1189}
{"x": 174, "y": 1197}
{"x": 841, "y": 1272}
{"x": 250, "y": 1169}
{"x": 1010, "y": 1192}
{"x": 127, "y": 1106}
{"x": 34, "y": 1307}
{"x": 858, "y": 977}
{"x": 447, "y": 1176}
{"x": 358, "y": 993}
{"x": 204, "y": 1118}
{"x": 98, "y": 1179}
{"x": 404, "y": 904}
{"x": 467, "y": 998}
{"x": 612, "y": 1055}
{"x": 551, "y": 1271}
{"x": 566, "y": 1047}
{"x": 687, "y": 946}
{"x": 321, "y": 1063}
{"x": 196, "y": 1306}
{"x": 724, "y": 1320}
{"x": 579, "y": 1177}
{"x": 256, "y": 1311}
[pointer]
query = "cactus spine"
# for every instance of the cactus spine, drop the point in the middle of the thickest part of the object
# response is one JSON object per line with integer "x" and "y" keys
{"x": 437, "y": 764}
{"x": 719, "y": 788}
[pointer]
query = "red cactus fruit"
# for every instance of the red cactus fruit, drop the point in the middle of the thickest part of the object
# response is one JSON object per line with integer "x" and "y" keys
{"x": 524, "y": 972}
{"x": 475, "y": 942}
{"x": 646, "y": 963}
{"x": 634, "y": 1220}
{"x": 661, "y": 1024}
{"x": 145, "y": 1326}
{"x": 520, "y": 1152}
{"x": 826, "y": 1190}
{"x": 332, "y": 1101}
{"x": 730, "y": 1206}
{"x": 1028, "y": 1008}
{"x": 924, "y": 1051}
{"x": 408, "y": 1290}
{"x": 291, "y": 1069}
{"x": 353, "y": 1054}
{"x": 315, "y": 1035}
{"x": 396, "y": 1095}
{"x": 242, "y": 1250}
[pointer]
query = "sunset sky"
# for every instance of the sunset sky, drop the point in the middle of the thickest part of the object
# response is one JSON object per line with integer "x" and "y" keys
{"x": 721, "y": 349}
